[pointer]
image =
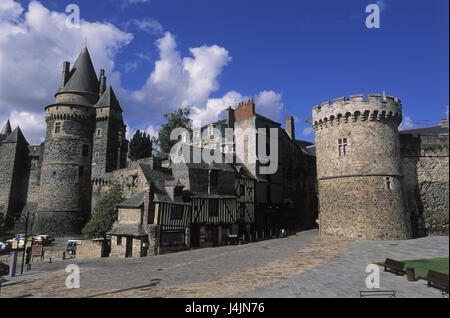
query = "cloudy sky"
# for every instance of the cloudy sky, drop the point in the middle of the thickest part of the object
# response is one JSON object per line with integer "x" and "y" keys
{"x": 289, "y": 56}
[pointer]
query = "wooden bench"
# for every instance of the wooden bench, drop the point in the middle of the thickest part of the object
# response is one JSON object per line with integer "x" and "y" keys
{"x": 438, "y": 280}
{"x": 377, "y": 294}
{"x": 37, "y": 250}
{"x": 394, "y": 266}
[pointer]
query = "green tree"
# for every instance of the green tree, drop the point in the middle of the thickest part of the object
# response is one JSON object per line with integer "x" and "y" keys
{"x": 105, "y": 213}
{"x": 177, "y": 119}
{"x": 140, "y": 146}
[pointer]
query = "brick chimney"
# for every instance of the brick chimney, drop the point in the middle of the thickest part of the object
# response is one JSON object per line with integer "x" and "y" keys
{"x": 290, "y": 128}
{"x": 245, "y": 110}
{"x": 155, "y": 163}
{"x": 230, "y": 117}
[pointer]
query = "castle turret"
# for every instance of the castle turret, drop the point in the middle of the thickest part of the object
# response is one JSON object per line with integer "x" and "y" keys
{"x": 65, "y": 191}
{"x": 359, "y": 168}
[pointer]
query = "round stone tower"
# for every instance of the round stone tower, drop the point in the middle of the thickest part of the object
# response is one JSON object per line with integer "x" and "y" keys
{"x": 65, "y": 189}
{"x": 359, "y": 168}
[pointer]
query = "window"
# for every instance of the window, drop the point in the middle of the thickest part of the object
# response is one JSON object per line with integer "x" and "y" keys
{"x": 242, "y": 210}
{"x": 177, "y": 212}
{"x": 80, "y": 172}
{"x": 97, "y": 154}
{"x": 85, "y": 150}
{"x": 119, "y": 240}
{"x": 343, "y": 147}
{"x": 213, "y": 208}
{"x": 388, "y": 183}
{"x": 57, "y": 128}
{"x": 99, "y": 132}
{"x": 269, "y": 193}
{"x": 213, "y": 178}
{"x": 241, "y": 190}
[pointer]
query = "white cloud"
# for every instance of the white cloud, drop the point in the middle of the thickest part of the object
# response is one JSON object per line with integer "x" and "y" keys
{"x": 308, "y": 131}
{"x": 382, "y": 4}
{"x": 147, "y": 25}
{"x": 33, "y": 45}
{"x": 407, "y": 123}
{"x": 153, "y": 130}
{"x": 32, "y": 125}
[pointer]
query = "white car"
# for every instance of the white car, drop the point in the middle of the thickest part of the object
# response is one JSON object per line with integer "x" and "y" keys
{"x": 2, "y": 246}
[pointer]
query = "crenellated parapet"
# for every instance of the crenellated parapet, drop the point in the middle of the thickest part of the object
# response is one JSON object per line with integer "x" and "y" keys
{"x": 357, "y": 108}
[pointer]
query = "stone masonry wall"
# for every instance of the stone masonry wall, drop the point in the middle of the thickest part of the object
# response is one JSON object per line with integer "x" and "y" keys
{"x": 360, "y": 192}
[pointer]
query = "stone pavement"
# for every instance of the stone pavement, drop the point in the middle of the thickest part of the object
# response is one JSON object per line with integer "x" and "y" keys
{"x": 345, "y": 276}
{"x": 302, "y": 265}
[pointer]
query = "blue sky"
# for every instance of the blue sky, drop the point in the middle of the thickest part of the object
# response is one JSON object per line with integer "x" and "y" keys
{"x": 289, "y": 55}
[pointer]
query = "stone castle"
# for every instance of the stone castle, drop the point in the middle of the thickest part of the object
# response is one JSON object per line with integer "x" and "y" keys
{"x": 363, "y": 178}
{"x": 374, "y": 182}
{"x": 85, "y": 138}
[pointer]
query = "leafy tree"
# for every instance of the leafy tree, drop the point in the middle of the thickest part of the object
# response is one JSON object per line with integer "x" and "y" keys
{"x": 140, "y": 146}
{"x": 105, "y": 213}
{"x": 177, "y": 119}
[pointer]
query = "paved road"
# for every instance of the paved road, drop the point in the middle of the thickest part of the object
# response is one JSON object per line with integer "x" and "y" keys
{"x": 345, "y": 276}
{"x": 299, "y": 266}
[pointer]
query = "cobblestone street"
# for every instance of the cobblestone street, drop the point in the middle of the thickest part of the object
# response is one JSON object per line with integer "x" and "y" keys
{"x": 302, "y": 265}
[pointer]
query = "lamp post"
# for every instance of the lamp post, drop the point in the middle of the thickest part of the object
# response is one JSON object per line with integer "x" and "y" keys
{"x": 25, "y": 243}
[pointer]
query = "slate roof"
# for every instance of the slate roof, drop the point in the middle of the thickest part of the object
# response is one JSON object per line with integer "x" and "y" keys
{"x": 108, "y": 99}
{"x": 15, "y": 137}
{"x": 160, "y": 179}
{"x": 135, "y": 201}
{"x": 432, "y": 130}
{"x": 6, "y": 129}
{"x": 128, "y": 229}
{"x": 83, "y": 78}
{"x": 307, "y": 147}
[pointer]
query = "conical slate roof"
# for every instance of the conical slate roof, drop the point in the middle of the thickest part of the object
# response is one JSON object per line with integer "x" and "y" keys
{"x": 6, "y": 129}
{"x": 82, "y": 76}
{"x": 15, "y": 136}
{"x": 108, "y": 99}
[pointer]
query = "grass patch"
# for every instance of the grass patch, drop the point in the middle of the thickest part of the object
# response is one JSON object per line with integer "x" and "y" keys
{"x": 421, "y": 266}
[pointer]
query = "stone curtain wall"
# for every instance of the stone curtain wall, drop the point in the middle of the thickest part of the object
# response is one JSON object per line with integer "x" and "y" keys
{"x": 425, "y": 162}
{"x": 354, "y": 199}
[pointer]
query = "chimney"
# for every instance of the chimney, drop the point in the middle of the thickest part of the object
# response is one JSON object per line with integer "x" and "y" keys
{"x": 65, "y": 74}
{"x": 102, "y": 82}
{"x": 155, "y": 163}
{"x": 444, "y": 123}
{"x": 245, "y": 110}
{"x": 230, "y": 117}
{"x": 290, "y": 128}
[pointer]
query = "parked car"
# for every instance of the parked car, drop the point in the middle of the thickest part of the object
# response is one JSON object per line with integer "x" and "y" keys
{"x": 48, "y": 239}
{"x": 37, "y": 240}
{"x": 71, "y": 248}
{"x": 42, "y": 240}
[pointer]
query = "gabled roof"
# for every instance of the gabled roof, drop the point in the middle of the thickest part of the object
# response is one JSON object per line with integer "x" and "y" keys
{"x": 83, "y": 78}
{"x": 135, "y": 201}
{"x": 108, "y": 99}
{"x": 6, "y": 129}
{"x": 16, "y": 136}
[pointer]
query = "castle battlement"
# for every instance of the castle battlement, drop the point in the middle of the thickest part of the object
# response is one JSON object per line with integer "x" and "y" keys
{"x": 374, "y": 107}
